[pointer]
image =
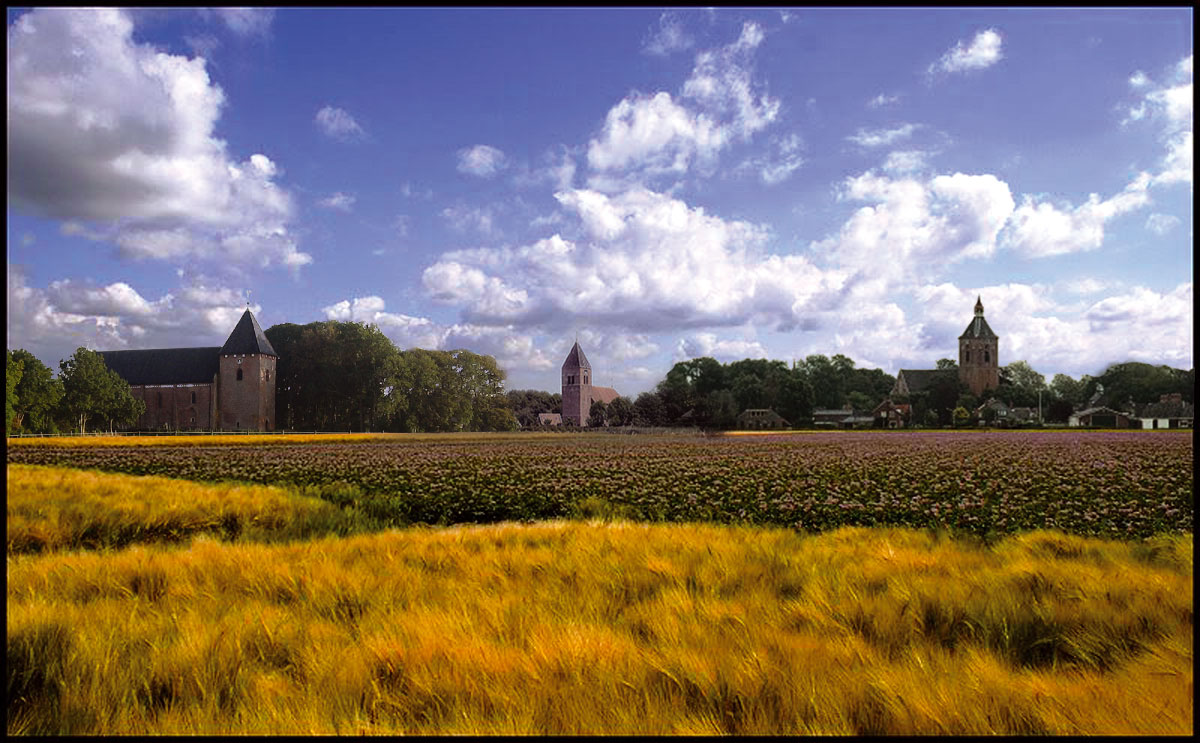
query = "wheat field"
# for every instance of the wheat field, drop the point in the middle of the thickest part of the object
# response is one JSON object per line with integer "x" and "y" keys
{"x": 588, "y": 626}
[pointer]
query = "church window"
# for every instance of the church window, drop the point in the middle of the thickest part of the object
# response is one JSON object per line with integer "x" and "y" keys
{"x": 968, "y": 359}
{"x": 160, "y": 399}
{"x": 268, "y": 375}
{"x": 987, "y": 356}
{"x": 239, "y": 375}
{"x": 193, "y": 400}
{"x": 585, "y": 378}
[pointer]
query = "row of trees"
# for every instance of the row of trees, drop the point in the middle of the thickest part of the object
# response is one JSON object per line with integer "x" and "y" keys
{"x": 85, "y": 393}
{"x": 703, "y": 392}
{"x": 346, "y": 376}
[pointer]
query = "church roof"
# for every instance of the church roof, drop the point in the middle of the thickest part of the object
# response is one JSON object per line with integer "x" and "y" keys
{"x": 165, "y": 365}
{"x": 604, "y": 394}
{"x": 917, "y": 379}
{"x": 248, "y": 338}
{"x": 576, "y": 359}
{"x": 978, "y": 329}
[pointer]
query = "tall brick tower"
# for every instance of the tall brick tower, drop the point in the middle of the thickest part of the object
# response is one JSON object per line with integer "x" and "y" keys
{"x": 576, "y": 387}
{"x": 979, "y": 354}
{"x": 246, "y": 379}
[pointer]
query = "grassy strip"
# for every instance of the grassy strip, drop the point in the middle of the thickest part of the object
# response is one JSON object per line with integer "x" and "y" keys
{"x": 584, "y": 627}
{"x": 51, "y": 509}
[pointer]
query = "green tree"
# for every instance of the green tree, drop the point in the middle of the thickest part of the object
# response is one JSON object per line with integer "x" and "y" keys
{"x": 947, "y": 365}
{"x": 333, "y": 376}
{"x": 12, "y": 377}
{"x": 38, "y": 394}
{"x": 874, "y": 384}
{"x": 121, "y": 408}
{"x": 687, "y": 387}
{"x": 943, "y": 392}
{"x": 598, "y": 416}
{"x": 620, "y": 412}
{"x": 1142, "y": 383}
{"x": 723, "y": 410}
{"x": 860, "y": 402}
{"x": 1070, "y": 390}
{"x": 481, "y": 382}
{"x": 527, "y": 404}
{"x": 795, "y": 398}
{"x": 1023, "y": 385}
{"x": 649, "y": 410}
{"x": 749, "y": 391}
{"x": 825, "y": 380}
{"x": 93, "y": 391}
{"x": 962, "y": 416}
{"x": 988, "y": 415}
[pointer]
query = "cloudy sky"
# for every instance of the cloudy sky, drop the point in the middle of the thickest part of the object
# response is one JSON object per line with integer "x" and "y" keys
{"x": 661, "y": 185}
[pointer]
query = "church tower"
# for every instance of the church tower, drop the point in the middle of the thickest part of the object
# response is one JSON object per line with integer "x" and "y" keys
{"x": 576, "y": 387}
{"x": 246, "y": 379}
{"x": 979, "y": 354}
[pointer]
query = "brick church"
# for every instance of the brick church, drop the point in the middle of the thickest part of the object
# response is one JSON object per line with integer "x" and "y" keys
{"x": 978, "y": 360}
{"x": 228, "y": 388}
{"x": 578, "y": 392}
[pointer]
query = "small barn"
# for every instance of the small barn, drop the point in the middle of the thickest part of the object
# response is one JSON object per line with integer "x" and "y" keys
{"x": 1169, "y": 412}
{"x": 755, "y": 419}
{"x": 1101, "y": 417}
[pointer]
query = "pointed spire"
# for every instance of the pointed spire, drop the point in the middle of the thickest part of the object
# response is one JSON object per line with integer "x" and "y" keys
{"x": 576, "y": 359}
{"x": 248, "y": 338}
{"x": 978, "y": 306}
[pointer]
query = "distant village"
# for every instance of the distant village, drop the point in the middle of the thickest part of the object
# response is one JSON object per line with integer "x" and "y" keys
{"x": 977, "y": 370}
{"x": 345, "y": 376}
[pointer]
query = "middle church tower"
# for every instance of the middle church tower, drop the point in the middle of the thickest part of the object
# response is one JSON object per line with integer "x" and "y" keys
{"x": 576, "y": 387}
{"x": 979, "y": 354}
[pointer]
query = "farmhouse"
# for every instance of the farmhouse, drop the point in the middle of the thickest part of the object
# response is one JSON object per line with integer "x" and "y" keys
{"x": 892, "y": 415}
{"x": 578, "y": 392}
{"x": 230, "y": 388}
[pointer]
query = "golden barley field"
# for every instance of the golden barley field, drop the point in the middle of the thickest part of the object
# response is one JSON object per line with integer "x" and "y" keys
{"x": 132, "y": 610}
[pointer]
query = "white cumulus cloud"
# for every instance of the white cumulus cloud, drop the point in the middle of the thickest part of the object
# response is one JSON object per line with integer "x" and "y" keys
{"x": 52, "y": 322}
{"x": 983, "y": 52}
{"x": 661, "y": 134}
{"x": 1039, "y": 229}
{"x": 337, "y": 200}
{"x": 338, "y": 124}
{"x": 645, "y": 263}
{"x": 481, "y": 160}
{"x": 104, "y": 130}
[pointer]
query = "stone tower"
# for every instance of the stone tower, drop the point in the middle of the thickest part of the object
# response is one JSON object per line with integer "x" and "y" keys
{"x": 246, "y": 379}
{"x": 576, "y": 387}
{"x": 979, "y": 354}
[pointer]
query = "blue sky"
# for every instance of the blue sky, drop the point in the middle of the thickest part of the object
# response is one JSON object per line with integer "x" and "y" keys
{"x": 660, "y": 184}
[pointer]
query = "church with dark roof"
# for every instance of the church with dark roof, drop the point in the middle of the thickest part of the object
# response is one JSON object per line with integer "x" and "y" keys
{"x": 978, "y": 360}
{"x": 227, "y": 388}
